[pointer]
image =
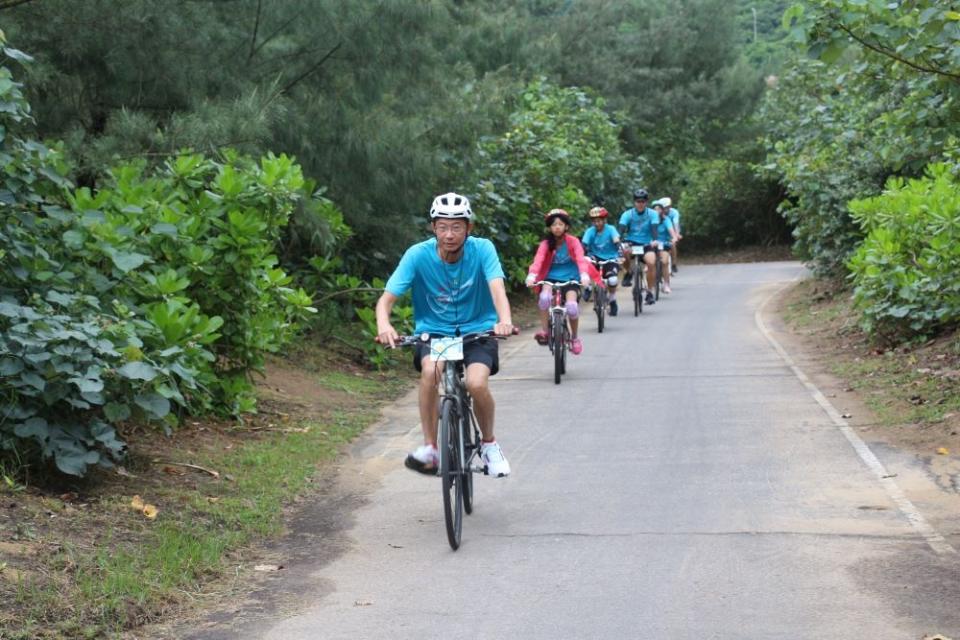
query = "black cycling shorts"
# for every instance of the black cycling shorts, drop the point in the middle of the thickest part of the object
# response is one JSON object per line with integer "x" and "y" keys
{"x": 647, "y": 248}
{"x": 608, "y": 269}
{"x": 567, "y": 287}
{"x": 485, "y": 351}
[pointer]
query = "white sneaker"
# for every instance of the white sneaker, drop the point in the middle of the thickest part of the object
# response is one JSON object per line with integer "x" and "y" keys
{"x": 426, "y": 460}
{"x": 493, "y": 458}
{"x": 666, "y": 288}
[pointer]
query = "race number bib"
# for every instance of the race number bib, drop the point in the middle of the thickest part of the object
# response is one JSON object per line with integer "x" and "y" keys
{"x": 446, "y": 349}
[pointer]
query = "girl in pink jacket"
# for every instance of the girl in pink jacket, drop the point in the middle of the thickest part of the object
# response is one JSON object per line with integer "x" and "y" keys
{"x": 559, "y": 259}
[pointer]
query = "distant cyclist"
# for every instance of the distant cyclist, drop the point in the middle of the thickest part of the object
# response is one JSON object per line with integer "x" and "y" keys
{"x": 458, "y": 289}
{"x": 560, "y": 258}
{"x": 675, "y": 218}
{"x": 638, "y": 226}
{"x": 602, "y": 242}
{"x": 668, "y": 235}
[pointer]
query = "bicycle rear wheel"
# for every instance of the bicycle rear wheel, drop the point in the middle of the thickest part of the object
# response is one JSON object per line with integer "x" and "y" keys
{"x": 451, "y": 447}
{"x": 559, "y": 347}
{"x": 600, "y": 306}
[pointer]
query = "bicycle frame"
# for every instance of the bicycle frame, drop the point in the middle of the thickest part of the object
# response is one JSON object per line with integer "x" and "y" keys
{"x": 557, "y": 317}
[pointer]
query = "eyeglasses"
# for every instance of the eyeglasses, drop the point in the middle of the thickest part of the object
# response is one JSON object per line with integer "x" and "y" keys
{"x": 452, "y": 229}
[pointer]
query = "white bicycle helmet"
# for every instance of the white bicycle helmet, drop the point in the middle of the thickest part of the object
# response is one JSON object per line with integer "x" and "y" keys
{"x": 451, "y": 205}
{"x": 666, "y": 202}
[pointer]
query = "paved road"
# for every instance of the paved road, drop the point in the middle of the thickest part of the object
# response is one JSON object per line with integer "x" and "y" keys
{"x": 718, "y": 500}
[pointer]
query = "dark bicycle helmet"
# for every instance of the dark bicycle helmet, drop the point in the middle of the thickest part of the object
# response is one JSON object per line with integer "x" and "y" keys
{"x": 557, "y": 213}
{"x": 641, "y": 194}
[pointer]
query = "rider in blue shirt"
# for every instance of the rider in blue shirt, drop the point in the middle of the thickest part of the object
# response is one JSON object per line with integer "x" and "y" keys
{"x": 458, "y": 288}
{"x": 668, "y": 235}
{"x": 601, "y": 242}
{"x": 675, "y": 217}
{"x": 638, "y": 227}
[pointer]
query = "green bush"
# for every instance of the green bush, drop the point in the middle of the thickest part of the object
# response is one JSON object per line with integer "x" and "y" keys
{"x": 726, "y": 205}
{"x": 153, "y": 296}
{"x": 907, "y": 271}
{"x": 561, "y": 150}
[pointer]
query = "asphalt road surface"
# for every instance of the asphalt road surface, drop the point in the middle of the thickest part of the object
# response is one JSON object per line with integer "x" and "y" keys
{"x": 681, "y": 483}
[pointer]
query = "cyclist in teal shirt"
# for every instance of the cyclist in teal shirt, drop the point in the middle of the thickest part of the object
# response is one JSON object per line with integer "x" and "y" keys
{"x": 458, "y": 288}
{"x": 668, "y": 235}
{"x": 602, "y": 242}
{"x": 638, "y": 226}
{"x": 675, "y": 218}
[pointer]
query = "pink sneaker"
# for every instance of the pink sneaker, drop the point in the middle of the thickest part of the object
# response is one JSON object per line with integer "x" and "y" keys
{"x": 541, "y": 337}
{"x": 576, "y": 345}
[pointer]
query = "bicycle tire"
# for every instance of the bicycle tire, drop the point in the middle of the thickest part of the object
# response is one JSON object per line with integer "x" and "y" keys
{"x": 450, "y": 471}
{"x": 566, "y": 343}
{"x": 559, "y": 348}
{"x": 637, "y": 291}
{"x": 471, "y": 445}
{"x": 659, "y": 278}
{"x": 600, "y": 306}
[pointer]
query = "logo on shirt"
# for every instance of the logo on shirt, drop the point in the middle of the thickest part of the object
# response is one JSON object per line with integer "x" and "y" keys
{"x": 448, "y": 296}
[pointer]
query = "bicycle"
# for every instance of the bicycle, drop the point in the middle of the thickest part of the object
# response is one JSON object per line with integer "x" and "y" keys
{"x": 558, "y": 329}
{"x": 638, "y": 273}
{"x": 600, "y": 295}
{"x": 458, "y": 435}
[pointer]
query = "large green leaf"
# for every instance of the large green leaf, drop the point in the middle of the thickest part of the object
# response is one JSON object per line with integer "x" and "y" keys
{"x": 155, "y": 405}
{"x": 138, "y": 371}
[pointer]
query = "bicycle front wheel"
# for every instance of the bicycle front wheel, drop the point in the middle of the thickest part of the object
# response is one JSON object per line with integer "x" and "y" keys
{"x": 471, "y": 446}
{"x": 559, "y": 346}
{"x": 451, "y": 449}
{"x": 637, "y": 292}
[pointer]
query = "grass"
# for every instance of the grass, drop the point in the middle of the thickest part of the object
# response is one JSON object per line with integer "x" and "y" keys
{"x": 100, "y": 567}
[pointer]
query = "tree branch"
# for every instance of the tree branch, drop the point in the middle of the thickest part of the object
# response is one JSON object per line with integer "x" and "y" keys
{"x": 10, "y": 4}
{"x": 256, "y": 29}
{"x": 310, "y": 71}
{"x": 890, "y": 54}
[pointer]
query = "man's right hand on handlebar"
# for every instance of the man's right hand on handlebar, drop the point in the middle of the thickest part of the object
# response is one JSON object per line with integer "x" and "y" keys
{"x": 388, "y": 336}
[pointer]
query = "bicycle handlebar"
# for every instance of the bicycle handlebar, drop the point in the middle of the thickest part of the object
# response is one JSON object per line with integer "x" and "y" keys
{"x": 557, "y": 284}
{"x": 424, "y": 338}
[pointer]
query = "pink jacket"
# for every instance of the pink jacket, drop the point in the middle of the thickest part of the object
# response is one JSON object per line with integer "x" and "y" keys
{"x": 544, "y": 259}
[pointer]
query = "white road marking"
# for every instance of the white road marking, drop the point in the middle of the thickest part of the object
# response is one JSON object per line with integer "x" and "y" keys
{"x": 936, "y": 541}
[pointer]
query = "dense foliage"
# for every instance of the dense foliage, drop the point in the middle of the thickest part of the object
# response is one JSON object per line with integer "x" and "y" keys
{"x": 878, "y": 98}
{"x": 562, "y": 150}
{"x": 907, "y": 271}
{"x": 381, "y": 102}
{"x": 152, "y": 296}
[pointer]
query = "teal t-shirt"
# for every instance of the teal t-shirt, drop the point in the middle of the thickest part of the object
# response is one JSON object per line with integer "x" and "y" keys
{"x": 447, "y": 297}
{"x": 663, "y": 230}
{"x": 602, "y": 244}
{"x": 675, "y": 218}
{"x": 563, "y": 267}
{"x": 639, "y": 224}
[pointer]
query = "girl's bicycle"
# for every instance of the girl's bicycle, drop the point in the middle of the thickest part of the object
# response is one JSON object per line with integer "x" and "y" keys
{"x": 558, "y": 329}
{"x": 600, "y": 295}
{"x": 458, "y": 433}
